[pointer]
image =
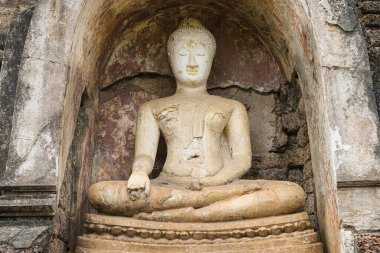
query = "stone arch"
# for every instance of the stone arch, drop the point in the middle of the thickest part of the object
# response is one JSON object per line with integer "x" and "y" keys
{"x": 297, "y": 34}
{"x": 323, "y": 45}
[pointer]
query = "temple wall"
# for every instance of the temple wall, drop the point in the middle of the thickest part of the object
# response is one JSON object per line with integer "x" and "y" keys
{"x": 35, "y": 64}
{"x": 363, "y": 234}
{"x": 311, "y": 88}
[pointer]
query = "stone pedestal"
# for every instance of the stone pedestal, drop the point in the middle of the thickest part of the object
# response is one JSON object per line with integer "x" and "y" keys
{"x": 288, "y": 233}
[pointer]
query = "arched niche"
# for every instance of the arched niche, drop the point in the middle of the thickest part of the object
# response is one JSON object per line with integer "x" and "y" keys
{"x": 308, "y": 39}
{"x": 292, "y": 34}
{"x": 109, "y": 22}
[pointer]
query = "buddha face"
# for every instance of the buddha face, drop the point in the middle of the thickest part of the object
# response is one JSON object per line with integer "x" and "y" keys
{"x": 191, "y": 60}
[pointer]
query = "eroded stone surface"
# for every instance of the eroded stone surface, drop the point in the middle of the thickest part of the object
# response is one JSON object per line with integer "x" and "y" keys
{"x": 360, "y": 207}
{"x": 9, "y": 9}
{"x": 8, "y": 77}
{"x": 36, "y": 127}
{"x": 35, "y": 139}
{"x": 21, "y": 237}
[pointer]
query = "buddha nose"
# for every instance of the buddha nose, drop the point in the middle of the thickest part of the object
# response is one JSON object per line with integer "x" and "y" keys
{"x": 192, "y": 61}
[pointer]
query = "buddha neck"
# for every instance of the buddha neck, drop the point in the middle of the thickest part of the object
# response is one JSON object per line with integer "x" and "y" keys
{"x": 191, "y": 91}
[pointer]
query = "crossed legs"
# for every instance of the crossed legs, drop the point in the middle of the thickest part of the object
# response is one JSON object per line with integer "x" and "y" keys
{"x": 168, "y": 201}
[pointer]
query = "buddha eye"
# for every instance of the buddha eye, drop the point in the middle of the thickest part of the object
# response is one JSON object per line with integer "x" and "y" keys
{"x": 200, "y": 54}
{"x": 183, "y": 54}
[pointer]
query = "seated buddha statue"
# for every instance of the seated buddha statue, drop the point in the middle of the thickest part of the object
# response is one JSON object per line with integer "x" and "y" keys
{"x": 208, "y": 150}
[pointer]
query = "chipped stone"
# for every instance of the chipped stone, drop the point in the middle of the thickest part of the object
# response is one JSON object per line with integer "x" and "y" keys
{"x": 342, "y": 15}
{"x": 21, "y": 237}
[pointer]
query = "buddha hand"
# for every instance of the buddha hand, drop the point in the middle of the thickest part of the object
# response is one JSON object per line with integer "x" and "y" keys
{"x": 207, "y": 181}
{"x": 138, "y": 185}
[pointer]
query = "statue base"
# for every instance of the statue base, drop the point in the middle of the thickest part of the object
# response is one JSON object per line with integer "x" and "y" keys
{"x": 287, "y": 233}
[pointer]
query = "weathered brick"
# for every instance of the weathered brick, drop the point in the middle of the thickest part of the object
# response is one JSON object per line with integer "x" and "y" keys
{"x": 370, "y": 7}
{"x": 374, "y": 36}
{"x": 371, "y": 20}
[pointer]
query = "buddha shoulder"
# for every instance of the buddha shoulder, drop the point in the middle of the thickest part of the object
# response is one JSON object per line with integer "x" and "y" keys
{"x": 158, "y": 106}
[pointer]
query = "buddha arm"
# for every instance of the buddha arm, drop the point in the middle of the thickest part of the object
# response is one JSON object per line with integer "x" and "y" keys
{"x": 238, "y": 137}
{"x": 147, "y": 135}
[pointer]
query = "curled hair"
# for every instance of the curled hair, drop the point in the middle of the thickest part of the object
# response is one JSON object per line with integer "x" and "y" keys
{"x": 191, "y": 25}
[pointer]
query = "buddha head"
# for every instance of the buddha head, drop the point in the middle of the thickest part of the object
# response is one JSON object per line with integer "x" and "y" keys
{"x": 191, "y": 50}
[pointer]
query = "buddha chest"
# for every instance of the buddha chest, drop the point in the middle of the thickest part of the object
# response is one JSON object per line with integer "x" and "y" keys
{"x": 191, "y": 119}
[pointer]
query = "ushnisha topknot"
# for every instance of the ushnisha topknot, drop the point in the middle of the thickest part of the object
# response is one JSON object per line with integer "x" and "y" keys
{"x": 191, "y": 25}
